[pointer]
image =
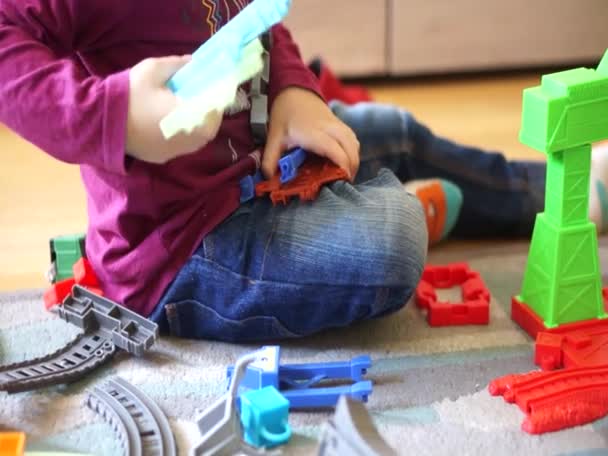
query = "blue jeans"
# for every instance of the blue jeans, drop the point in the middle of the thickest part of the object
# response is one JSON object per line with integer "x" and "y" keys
{"x": 357, "y": 252}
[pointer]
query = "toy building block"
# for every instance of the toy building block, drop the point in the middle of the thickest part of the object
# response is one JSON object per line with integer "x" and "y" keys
{"x": 230, "y": 57}
{"x": 313, "y": 174}
{"x": 562, "y": 117}
{"x": 107, "y": 326}
{"x": 558, "y": 399}
{"x": 248, "y": 184}
{"x": 264, "y": 416}
{"x": 289, "y": 164}
{"x": 301, "y": 384}
{"x": 351, "y": 431}
{"x": 475, "y": 306}
{"x": 57, "y": 292}
{"x": 142, "y": 426}
{"x": 12, "y": 443}
{"x": 219, "y": 424}
{"x": 65, "y": 251}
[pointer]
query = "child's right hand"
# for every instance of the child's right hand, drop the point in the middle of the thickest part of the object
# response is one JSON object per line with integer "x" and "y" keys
{"x": 149, "y": 101}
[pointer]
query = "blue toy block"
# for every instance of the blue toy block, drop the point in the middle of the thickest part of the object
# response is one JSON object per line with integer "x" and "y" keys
{"x": 300, "y": 383}
{"x": 220, "y": 53}
{"x": 290, "y": 163}
{"x": 264, "y": 416}
{"x": 248, "y": 184}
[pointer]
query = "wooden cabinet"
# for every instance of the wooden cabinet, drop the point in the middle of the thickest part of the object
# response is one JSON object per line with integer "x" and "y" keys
{"x": 405, "y": 37}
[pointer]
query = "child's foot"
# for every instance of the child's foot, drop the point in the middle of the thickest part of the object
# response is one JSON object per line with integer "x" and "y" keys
{"x": 441, "y": 201}
{"x": 598, "y": 191}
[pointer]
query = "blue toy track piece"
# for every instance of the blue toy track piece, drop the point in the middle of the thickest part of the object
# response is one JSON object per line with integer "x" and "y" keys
{"x": 248, "y": 184}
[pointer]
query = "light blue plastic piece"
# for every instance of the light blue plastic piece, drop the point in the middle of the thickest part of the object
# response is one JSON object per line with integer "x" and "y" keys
{"x": 264, "y": 416}
{"x": 248, "y": 184}
{"x": 300, "y": 383}
{"x": 290, "y": 163}
{"x": 219, "y": 55}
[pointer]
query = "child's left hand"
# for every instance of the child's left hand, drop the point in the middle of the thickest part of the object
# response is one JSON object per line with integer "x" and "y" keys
{"x": 299, "y": 118}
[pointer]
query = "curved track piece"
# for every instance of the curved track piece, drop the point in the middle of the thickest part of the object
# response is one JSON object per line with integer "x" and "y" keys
{"x": 143, "y": 428}
{"x": 351, "y": 431}
{"x": 107, "y": 327}
{"x": 68, "y": 364}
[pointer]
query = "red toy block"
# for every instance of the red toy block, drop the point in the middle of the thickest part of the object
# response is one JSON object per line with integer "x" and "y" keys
{"x": 583, "y": 343}
{"x": 312, "y": 175}
{"x": 475, "y": 308}
{"x": 57, "y": 293}
{"x": 84, "y": 274}
{"x": 558, "y": 399}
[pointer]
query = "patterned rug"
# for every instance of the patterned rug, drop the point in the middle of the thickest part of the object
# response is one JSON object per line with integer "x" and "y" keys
{"x": 430, "y": 384}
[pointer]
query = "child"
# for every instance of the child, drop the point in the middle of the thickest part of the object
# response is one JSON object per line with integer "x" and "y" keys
{"x": 84, "y": 81}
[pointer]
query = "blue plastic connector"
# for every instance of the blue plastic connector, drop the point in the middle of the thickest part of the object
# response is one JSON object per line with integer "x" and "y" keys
{"x": 248, "y": 184}
{"x": 220, "y": 53}
{"x": 264, "y": 416}
{"x": 289, "y": 164}
{"x": 301, "y": 384}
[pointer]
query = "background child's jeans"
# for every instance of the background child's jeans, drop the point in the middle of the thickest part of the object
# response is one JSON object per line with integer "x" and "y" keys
{"x": 357, "y": 252}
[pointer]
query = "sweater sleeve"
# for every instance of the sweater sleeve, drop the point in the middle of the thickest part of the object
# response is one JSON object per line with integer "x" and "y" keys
{"x": 286, "y": 65}
{"x": 47, "y": 96}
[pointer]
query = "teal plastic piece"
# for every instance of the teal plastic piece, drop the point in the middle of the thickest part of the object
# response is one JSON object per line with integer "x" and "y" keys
{"x": 65, "y": 251}
{"x": 562, "y": 117}
{"x": 219, "y": 55}
{"x": 264, "y": 416}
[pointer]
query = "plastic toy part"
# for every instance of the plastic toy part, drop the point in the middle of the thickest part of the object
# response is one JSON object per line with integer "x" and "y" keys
{"x": 219, "y": 424}
{"x": 248, "y": 184}
{"x": 65, "y": 251}
{"x": 562, "y": 117}
{"x": 142, "y": 427}
{"x": 107, "y": 326}
{"x": 83, "y": 275}
{"x": 264, "y": 416}
{"x": 313, "y": 174}
{"x": 556, "y": 400}
{"x": 230, "y": 57}
{"x": 352, "y": 432}
{"x": 301, "y": 384}
{"x": 475, "y": 306}
{"x": 289, "y": 164}
{"x": 12, "y": 443}
{"x": 57, "y": 292}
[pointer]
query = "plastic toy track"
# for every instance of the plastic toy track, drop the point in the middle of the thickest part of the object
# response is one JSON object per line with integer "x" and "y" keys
{"x": 351, "y": 431}
{"x": 475, "y": 306}
{"x": 312, "y": 175}
{"x": 107, "y": 326}
{"x": 143, "y": 428}
{"x": 558, "y": 399}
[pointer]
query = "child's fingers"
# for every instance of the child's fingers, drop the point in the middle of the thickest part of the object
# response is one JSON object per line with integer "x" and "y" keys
{"x": 349, "y": 143}
{"x": 321, "y": 143}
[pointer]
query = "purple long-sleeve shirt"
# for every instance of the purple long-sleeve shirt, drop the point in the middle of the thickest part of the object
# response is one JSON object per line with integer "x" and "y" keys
{"x": 64, "y": 73}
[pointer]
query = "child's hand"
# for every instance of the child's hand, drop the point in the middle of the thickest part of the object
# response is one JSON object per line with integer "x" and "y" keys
{"x": 149, "y": 101}
{"x": 300, "y": 118}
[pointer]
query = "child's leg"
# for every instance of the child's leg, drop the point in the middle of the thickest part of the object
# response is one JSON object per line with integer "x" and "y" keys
{"x": 355, "y": 253}
{"x": 500, "y": 197}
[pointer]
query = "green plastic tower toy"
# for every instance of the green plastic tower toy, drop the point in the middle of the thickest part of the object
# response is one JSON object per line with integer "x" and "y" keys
{"x": 562, "y": 117}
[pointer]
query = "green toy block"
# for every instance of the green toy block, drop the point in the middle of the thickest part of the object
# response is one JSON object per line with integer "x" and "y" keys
{"x": 65, "y": 251}
{"x": 562, "y": 117}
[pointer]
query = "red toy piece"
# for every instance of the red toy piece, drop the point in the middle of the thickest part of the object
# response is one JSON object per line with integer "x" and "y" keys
{"x": 57, "y": 293}
{"x": 577, "y": 344}
{"x": 556, "y": 400}
{"x": 84, "y": 274}
{"x": 475, "y": 306}
{"x": 312, "y": 175}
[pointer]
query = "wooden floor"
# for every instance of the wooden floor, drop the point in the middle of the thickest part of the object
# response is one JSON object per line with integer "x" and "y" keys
{"x": 40, "y": 197}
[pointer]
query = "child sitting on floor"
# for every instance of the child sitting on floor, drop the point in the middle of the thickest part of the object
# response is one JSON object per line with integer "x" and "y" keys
{"x": 85, "y": 82}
